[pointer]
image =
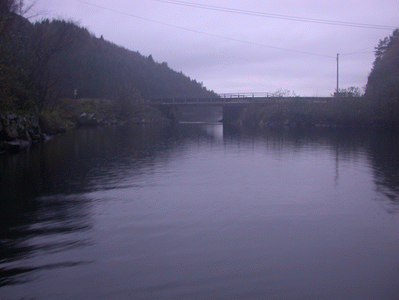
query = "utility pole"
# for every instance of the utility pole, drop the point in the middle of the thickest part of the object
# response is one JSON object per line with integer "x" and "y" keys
{"x": 337, "y": 73}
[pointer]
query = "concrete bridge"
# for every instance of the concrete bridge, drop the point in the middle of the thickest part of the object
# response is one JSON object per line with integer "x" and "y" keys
{"x": 220, "y": 99}
{"x": 231, "y": 104}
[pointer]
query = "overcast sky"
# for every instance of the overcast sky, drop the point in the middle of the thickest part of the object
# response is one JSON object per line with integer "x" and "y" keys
{"x": 244, "y": 46}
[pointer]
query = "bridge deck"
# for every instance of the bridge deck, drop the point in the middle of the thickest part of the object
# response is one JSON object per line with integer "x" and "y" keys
{"x": 238, "y": 100}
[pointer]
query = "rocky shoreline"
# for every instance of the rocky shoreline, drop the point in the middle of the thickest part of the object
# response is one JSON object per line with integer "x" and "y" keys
{"x": 19, "y": 131}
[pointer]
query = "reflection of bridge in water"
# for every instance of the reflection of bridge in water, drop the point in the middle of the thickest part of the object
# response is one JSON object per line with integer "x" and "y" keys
{"x": 231, "y": 104}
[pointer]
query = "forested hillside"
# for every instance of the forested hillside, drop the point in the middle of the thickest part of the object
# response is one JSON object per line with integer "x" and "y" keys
{"x": 99, "y": 68}
{"x": 43, "y": 62}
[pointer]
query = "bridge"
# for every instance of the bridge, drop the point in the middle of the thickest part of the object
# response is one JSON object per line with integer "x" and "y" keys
{"x": 237, "y": 98}
{"x": 231, "y": 104}
{"x": 220, "y": 99}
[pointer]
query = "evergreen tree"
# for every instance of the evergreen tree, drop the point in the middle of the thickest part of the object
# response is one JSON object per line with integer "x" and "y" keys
{"x": 383, "y": 47}
{"x": 383, "y": 82}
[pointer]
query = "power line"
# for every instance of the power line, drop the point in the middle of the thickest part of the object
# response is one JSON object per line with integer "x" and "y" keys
{"x": 357, "y": 52}
{"x": 360, "y": 51}
{"x": 276, "y": 16}
{"x": 202, "y": 32}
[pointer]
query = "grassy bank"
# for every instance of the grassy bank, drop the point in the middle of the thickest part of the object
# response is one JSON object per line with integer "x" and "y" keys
{"x": 19, "y": 129}
{"x": 88, "y": 112}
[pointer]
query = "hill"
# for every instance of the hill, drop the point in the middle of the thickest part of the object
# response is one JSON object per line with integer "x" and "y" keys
{"x": 99, "y": 68}
{"x": 45, "y": 61}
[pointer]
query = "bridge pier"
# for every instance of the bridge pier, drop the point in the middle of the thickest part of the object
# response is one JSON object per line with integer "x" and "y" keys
{"x": 191, "y": 113}
{"x": 232, "y": 112}
{"x": 171, "y": 112}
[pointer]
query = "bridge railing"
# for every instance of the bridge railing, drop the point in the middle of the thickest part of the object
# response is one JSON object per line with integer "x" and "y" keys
{"x": 192, "y": 100}
{"x": 188, "y": 100}
{"x": 242, "y": 98}
{"x": 245, "y": 95}
{"x": 220, "y": 98}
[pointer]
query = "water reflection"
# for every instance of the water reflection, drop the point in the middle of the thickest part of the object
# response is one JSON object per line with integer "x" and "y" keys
{"x": 56, "y": 196}
{"x": 384, "y": 157}
{"x": 379, "y": 147}
{"x": 31, "y": 223}
{"x": 46, "y": 226}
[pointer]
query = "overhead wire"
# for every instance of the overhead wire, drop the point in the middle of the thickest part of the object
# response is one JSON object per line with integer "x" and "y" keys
{"x": 202, "y": 32}
{"x": 275, "y": 16}
{"x": 360, "y": 51}
{"x": 250, "y": 13}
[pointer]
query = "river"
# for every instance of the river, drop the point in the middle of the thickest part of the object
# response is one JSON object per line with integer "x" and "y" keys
{"x": 202, "y": 211}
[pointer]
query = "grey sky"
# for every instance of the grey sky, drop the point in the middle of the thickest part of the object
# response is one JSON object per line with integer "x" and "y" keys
{"x": 231, "y": 52}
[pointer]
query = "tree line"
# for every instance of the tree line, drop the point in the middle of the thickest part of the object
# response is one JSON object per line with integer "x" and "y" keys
{"x": 383, "y": 81}
{"x": 382, "y": 88}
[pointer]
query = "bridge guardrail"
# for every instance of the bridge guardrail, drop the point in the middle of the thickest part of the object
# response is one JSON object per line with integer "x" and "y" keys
{"x": 199, "y": 100}
{"x": 245, "y": 95}
{"x": 243, "y": 98}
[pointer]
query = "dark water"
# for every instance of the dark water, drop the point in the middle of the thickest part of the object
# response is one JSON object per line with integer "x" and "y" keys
{"x": 200, "y": 211}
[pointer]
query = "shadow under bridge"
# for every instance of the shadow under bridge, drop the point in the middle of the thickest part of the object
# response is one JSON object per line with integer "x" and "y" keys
{"x": 204, "y": 109}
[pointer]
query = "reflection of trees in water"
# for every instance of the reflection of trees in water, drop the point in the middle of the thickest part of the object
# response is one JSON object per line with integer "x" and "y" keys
{"x": 384, "y": 154}
{"x": 26, "y": 218}
{"x": 348, "y": 143}
{"x": 37, "y": 227}
{"x": 381, "y": 147}
{"x": 42, "y": 191}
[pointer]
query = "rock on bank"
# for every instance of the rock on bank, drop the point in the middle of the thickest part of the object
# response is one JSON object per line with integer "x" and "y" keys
{"x": 18, "y": 131}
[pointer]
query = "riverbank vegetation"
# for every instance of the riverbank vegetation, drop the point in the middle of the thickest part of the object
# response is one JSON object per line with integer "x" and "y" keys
{"x": 308, "y": 112}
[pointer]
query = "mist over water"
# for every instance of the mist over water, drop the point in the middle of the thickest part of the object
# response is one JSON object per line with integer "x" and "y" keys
{"x": 201, "y": 211}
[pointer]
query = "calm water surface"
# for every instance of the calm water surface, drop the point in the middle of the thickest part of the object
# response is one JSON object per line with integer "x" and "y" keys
{"x": 201, "y": 211}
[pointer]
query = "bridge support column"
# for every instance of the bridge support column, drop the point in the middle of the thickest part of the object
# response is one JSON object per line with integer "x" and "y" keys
{"x": 232, "y": 113}
{"x": 171, "y": 112}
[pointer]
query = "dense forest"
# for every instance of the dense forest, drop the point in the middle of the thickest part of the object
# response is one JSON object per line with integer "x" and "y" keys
{"x": 382, "y": 88}
{"x": 383, "y": 81}
{"x": 45, "y": 61}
